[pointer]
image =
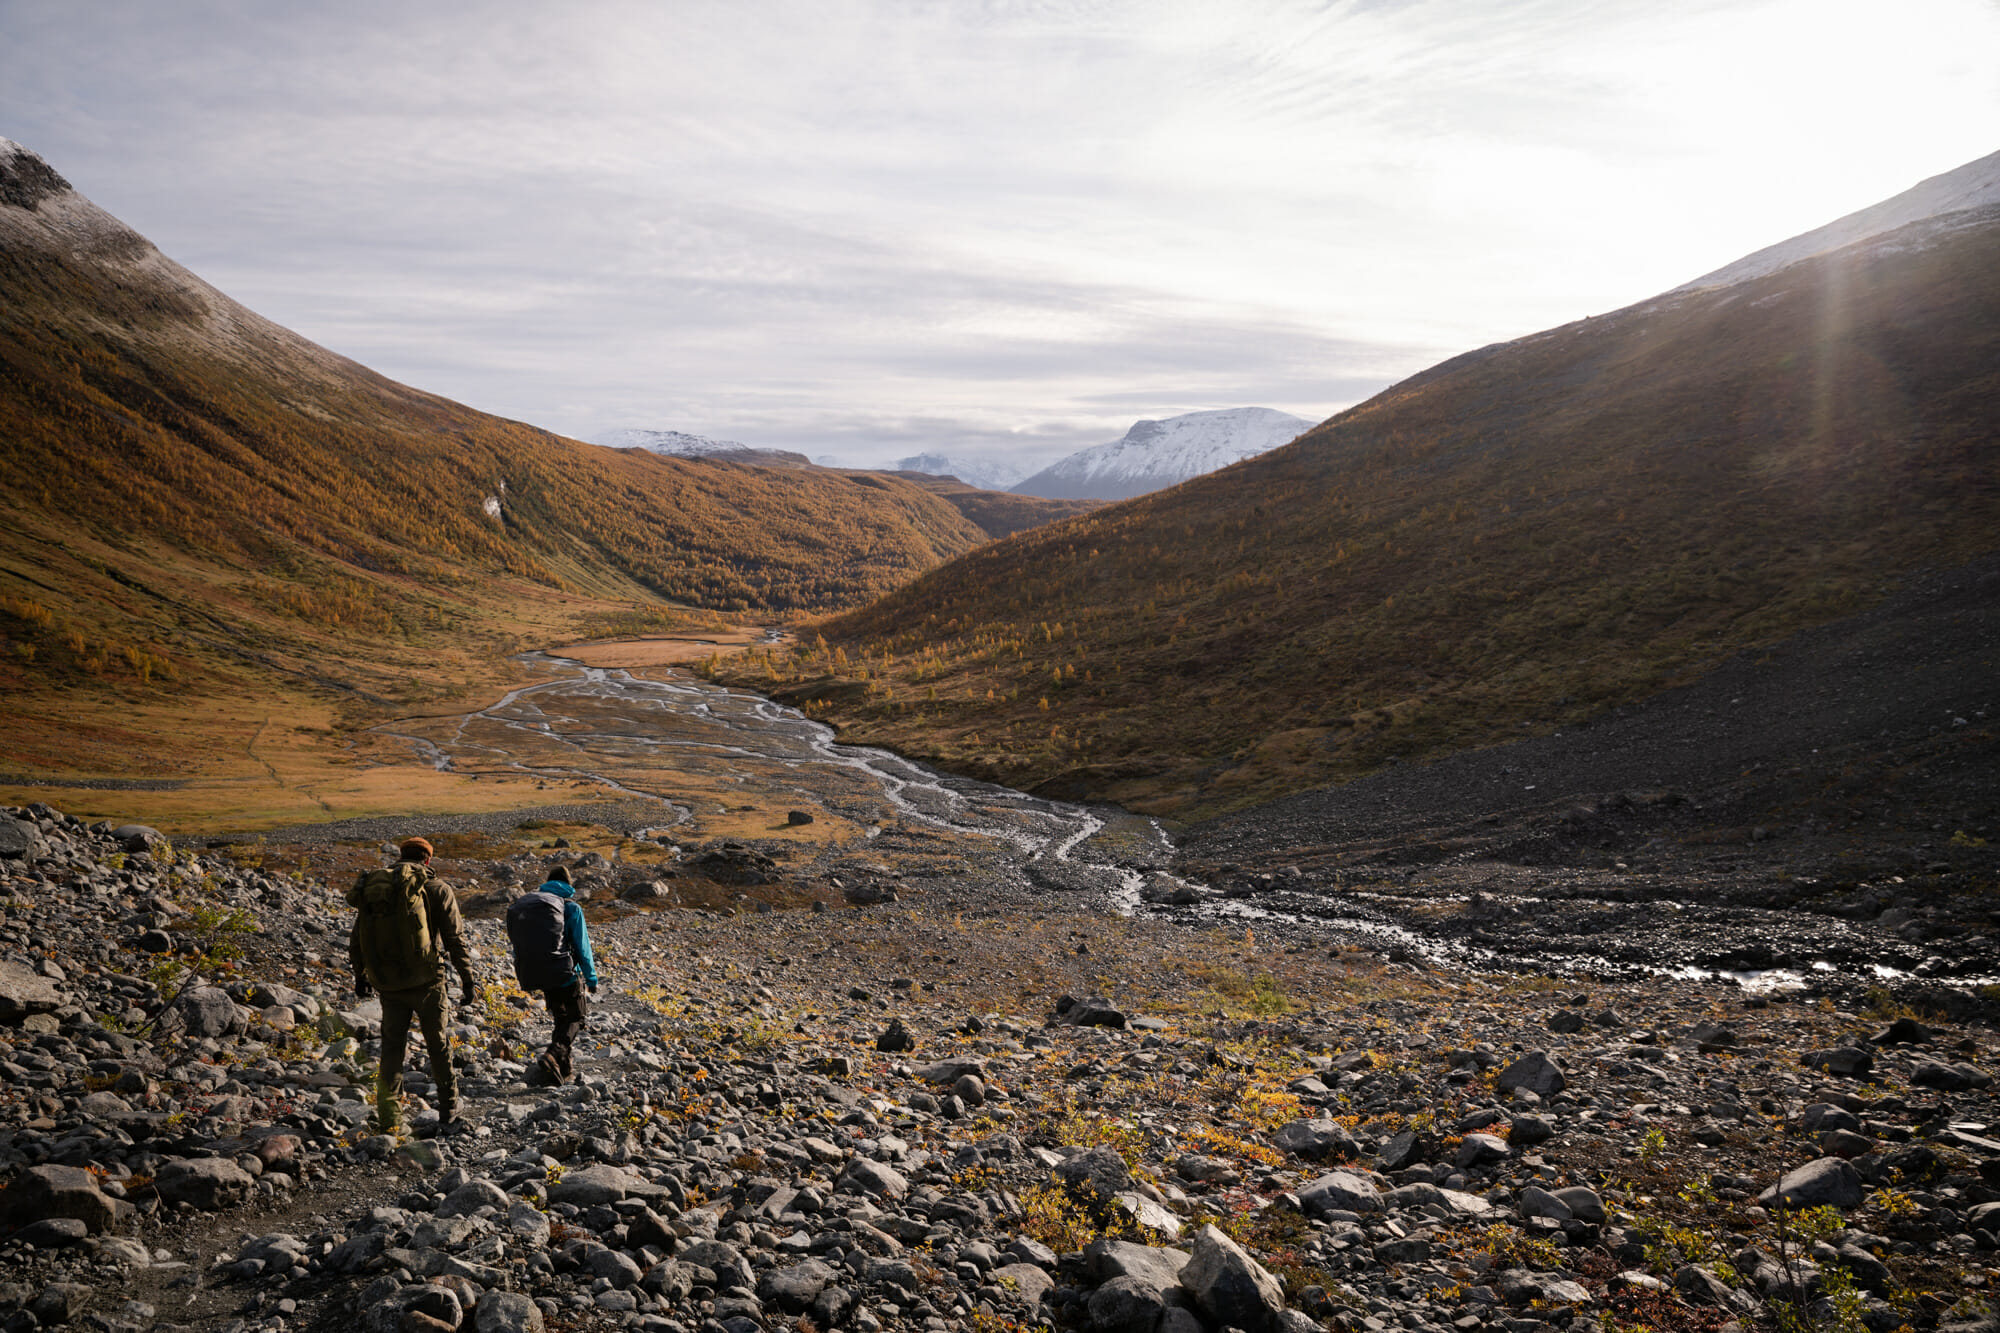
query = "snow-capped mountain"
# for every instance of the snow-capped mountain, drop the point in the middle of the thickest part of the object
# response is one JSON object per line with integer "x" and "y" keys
{"x": 680, "y": 444}
{"x": 987, "y": 473}
{"x": 1157, "y": 454}
{"x": 1976, "y": 185}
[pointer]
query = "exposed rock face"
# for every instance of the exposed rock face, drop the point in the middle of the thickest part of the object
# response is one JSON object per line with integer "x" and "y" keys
{"x": 26, "y": 180}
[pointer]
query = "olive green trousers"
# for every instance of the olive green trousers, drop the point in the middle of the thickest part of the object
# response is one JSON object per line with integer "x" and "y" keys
{"x": 431, "y": 1007}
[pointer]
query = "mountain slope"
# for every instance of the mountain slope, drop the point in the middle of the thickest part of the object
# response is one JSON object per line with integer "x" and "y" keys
{"x": 997, "y": 513}
{"x": 194, "y": 486}
{"x": 1154, "y": 455}
{"x": 1507, "y": 543}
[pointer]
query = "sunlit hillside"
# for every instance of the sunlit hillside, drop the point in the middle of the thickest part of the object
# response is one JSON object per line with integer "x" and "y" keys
{"x": 1511, "y": 541}
{"x": 201, "y": 504}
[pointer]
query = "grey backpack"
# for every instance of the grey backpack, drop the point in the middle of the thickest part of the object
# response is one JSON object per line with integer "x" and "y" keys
{"x": 536, "y": 929}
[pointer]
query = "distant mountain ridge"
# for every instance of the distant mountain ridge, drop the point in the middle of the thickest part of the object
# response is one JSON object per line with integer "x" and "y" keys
{"x": 986, "y": 473}
{"x": 680, "y": 444}
{"x": 991, "y": 509}
{"x": 1154, "y": 455}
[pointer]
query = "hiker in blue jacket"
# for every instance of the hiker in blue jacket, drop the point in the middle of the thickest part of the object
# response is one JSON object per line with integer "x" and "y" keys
{"x": 552, "y": 955}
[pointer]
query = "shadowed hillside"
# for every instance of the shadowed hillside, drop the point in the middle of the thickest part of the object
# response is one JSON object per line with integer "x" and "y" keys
{"x": 1508, "y": 542}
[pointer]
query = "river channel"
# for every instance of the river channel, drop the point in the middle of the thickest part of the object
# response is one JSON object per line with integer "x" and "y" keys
{"x": 698, "y": 751}
{"x": 658, "y": 737}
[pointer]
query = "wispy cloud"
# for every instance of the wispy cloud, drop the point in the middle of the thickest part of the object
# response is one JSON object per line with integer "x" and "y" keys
{"x": 869, "y": 227}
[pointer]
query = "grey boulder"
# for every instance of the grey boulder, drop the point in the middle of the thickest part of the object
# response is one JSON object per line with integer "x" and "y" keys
{"x": 507, "y": 1312}
{"x": 615, "y": 1267}
{"x": 1583, "y": 1202}
{"x": 136, "y": 838}
{"x": 24, "y": 992}
{"x": 470, "y": 1197}
{"x": 1315, "y": 1140}
{"x": 1534, "y": 1071}
{"x": 945, "y": 1072}
{"x": 1028, "y": 1281}
{"x": 1844, "y": 1061}
{"x": 794, "y": 1289}
{"x": 1340, "y": 1191}
{"x": 52, "y": 1233}
{"x": 593, "y": 1185}
{"x": 208, "y": 1183}
{"x": 1092, "y": 1011}
{"x": 1829, "y": 1180}
{"x": 1480, "y": 1149}
{"x": 1230, "y": 1287}
{"x": 1127, "y": 1305}
{"x": 721, "y": 1258}
{"x": 1408, "y": 1250}
{"x": 204, "y": 1011}
{"x": 1538, "y": 1202}
{"x": 20, "y": 841}
{"x": 1094, "y": 1175}
{"x": 1108, "y": 1259}
{"x": 1957, "y": 1077}
{"x": 872, "y": 1177}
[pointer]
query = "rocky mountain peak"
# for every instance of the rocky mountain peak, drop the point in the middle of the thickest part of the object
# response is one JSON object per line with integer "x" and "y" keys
{"x": 26, "y": 180}
{"x": 1153, "y": 455}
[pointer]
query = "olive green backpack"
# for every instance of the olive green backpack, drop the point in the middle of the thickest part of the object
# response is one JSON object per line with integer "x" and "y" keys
{"x": 398, "y": 950}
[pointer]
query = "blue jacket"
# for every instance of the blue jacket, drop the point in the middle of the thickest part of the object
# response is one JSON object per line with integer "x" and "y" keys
{"x": 574, "y": 930}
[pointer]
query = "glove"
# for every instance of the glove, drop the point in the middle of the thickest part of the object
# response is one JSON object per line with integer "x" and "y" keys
{"x": 362, "y": 990}
{"x": 465, "y": 988}
{"x": 593, "y": 988}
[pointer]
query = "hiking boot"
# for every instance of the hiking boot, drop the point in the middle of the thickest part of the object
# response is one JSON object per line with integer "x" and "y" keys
{"x": 563, "y": 1064}
{"x": 448, "y": 1123}
{"x": 548, "y": 1070}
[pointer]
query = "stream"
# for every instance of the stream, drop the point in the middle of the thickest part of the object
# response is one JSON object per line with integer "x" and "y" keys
{"x": 647, "y": 738}
{"x": 658, "y": 740}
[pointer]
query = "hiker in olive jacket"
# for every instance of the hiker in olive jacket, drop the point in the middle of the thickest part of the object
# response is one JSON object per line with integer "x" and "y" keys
{"x": 407, "y": 928}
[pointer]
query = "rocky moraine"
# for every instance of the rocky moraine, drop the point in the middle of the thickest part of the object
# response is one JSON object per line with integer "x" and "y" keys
{"x": 962, "y": 1104}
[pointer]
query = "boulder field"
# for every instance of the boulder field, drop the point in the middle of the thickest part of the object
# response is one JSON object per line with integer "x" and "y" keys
{"x": 971, "y": 1108}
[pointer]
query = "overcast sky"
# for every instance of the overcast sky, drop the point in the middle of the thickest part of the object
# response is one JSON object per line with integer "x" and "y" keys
{"x": 864, "y": 228}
